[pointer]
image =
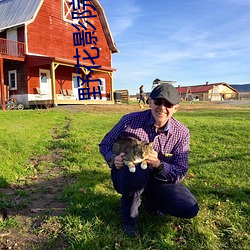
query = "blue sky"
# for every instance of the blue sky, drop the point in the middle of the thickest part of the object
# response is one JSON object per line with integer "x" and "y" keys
{"x": 188, "y": 41}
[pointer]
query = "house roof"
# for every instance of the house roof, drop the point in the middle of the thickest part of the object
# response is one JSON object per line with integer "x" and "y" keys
{"x": 17, "y": 12}
{"x": 201, "y": 88}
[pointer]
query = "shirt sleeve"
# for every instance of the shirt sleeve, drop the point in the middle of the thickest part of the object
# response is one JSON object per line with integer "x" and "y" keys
{"x": 174, "y": 171}
{"x": 106, "y": 144}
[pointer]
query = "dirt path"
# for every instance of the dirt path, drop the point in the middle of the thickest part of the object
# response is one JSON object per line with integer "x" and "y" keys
{"x": 184, "y": 106}
{"x": 34, "y": 203}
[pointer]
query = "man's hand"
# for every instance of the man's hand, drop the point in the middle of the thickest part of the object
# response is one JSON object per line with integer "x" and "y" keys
{"x": 153, "y": 160}
{"x": 119, "y": 161}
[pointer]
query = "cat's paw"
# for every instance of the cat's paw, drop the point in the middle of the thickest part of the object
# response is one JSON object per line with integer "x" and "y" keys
{"x": 132, "y": 170}
{"x": 144, "y": 166}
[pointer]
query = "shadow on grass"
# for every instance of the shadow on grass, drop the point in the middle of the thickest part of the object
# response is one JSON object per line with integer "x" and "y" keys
{"x": 214, "y": 159}
{"x": 94, "y": 219}
{"x": 227, "y": 210}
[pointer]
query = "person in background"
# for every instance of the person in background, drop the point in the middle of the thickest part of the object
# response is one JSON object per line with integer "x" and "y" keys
{"x": 142, "y": 95}
{"x": 159, "y": 187}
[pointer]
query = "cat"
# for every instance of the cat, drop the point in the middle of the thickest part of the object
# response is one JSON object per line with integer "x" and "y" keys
{"x": 135, "y": 151}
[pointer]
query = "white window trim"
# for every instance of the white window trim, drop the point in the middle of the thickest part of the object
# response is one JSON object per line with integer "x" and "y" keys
{"x": 66, "y": 12}
{"x": 103, "y": 86}
{"x": 9, "y": 73}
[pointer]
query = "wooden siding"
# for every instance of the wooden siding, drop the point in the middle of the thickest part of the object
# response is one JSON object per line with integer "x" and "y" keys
{"x": 34, "y": 78}
{"x": 21, "y": 76}
{"x": 20, "y": 34}
{"x": 3, "y": 34}
{"x": 50, "y": 36}
{"x": 63, "y": 77}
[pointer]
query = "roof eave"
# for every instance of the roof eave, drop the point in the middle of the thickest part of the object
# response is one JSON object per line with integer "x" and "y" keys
{"x": 12, "y": 26}
{"x": 105, "y": 25}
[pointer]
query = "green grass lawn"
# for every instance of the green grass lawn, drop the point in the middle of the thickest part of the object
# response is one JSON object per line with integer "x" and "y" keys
{"x": 218, "y": 176}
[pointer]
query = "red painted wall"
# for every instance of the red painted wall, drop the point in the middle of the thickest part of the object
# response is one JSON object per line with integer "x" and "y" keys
{"x": 63, "y": 76}
{"x": 49, "y": 35}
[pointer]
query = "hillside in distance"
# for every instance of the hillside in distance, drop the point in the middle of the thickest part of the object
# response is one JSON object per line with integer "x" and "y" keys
{"x": 241, "y": 87}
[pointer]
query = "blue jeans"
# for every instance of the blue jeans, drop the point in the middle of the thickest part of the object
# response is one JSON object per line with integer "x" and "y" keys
{"x": 168, "y": 198}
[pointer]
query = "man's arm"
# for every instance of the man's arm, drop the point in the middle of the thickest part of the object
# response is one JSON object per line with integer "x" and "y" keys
{"x": 175, "y": 170}
{"x": 106, "y": 144}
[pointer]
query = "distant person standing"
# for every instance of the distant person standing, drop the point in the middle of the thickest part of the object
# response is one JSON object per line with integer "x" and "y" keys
{"x": 142, "y": 98}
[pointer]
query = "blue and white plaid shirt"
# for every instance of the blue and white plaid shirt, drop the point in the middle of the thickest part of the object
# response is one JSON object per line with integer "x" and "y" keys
{"x": 172, "y": 144}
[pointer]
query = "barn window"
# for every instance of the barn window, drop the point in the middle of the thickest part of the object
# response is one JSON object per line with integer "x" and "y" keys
{"x": 68, "y": 8}
{"x": 12, "y": 80}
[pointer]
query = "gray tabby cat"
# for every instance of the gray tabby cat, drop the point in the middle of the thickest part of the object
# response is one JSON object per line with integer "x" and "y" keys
{"x": 135, "y": 151}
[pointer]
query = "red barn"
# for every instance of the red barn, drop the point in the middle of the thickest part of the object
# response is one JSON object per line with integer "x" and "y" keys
{"x": 208, "y": 92}
{"x": 48, "y": 47}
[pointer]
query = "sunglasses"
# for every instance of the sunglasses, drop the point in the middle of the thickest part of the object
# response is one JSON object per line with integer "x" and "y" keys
{"x": 159, "y": 102}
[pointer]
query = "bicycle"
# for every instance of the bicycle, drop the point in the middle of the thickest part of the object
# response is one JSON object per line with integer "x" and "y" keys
{"x": 12, "y": 104}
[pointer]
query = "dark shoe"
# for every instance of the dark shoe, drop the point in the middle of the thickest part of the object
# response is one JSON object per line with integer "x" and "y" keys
{"x": 131, "y": 230}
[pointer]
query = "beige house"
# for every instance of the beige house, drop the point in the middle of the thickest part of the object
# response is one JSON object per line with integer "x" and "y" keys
{"x": 208, "y": 92}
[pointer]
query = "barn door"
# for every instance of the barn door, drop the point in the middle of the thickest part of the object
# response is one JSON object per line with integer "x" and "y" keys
{"x": 12, "y": 45}
{"x": 45, "y": 83}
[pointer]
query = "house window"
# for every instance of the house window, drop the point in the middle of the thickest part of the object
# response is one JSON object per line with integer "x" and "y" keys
{"x": 43, "y": 77}
{"x": 75, "y": 83}
{"x": 12, "y": 80}
{"x": 103, "y": 86}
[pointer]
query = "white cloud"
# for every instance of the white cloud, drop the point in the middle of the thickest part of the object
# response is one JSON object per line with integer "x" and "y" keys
{"x": 190, "y": 46}
{"x": 121, "y": 15}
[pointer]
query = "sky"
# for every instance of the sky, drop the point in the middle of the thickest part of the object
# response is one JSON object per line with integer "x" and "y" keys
{"x": 187, "y": 41}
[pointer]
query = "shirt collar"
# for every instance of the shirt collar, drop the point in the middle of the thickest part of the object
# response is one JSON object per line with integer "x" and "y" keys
{"x": 151, "y": 122}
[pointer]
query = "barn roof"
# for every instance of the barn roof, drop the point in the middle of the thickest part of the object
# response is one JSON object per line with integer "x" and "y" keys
{"x": 17, "y": 12}
{"x": 201, "y": 88}
{"x": 105, "y": 25}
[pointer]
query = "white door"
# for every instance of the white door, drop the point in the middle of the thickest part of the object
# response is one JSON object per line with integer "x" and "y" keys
{"x": 45, "y": 84}
{"x": 12, "y": 45}
{"x": 75, "y": 85}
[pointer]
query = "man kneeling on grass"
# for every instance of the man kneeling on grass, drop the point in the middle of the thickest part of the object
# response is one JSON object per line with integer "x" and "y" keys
{"x": 160, "y": 184}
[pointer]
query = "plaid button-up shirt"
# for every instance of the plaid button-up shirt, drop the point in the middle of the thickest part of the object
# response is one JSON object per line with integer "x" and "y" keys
{"x": 172, "y": 144}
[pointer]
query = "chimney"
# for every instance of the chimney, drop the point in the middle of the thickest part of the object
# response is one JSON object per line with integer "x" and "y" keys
{"x": 207, "y": 82}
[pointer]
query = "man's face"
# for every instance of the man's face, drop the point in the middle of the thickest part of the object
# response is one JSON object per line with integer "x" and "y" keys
{"x": 162, "y": 110}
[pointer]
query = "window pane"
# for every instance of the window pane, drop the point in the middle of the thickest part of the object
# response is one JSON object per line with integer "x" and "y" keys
{"x": 75, "y": 82}
{"x": 12, "y": 80}
{"x": 44, "y": 77}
